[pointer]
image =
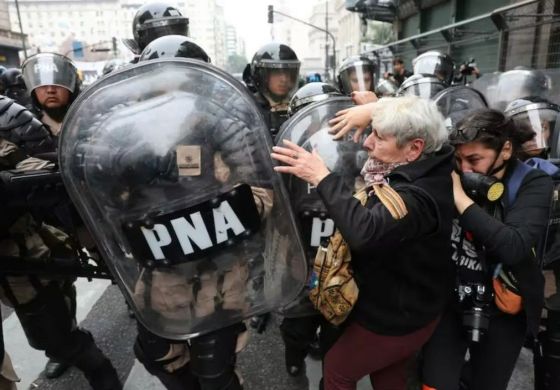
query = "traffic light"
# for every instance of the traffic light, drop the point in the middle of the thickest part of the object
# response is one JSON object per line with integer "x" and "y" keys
{"x": 270, "y": 14}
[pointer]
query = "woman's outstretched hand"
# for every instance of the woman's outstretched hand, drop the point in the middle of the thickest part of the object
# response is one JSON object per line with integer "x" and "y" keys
{"x": 309, "y": 167}
{"x": 358, "y": 117}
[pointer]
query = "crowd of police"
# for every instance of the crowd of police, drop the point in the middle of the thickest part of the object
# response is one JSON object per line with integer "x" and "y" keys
{"x": 204, "y": 237}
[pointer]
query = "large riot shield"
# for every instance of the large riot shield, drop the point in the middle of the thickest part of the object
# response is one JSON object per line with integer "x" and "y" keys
{"x": 456, "y": 102}
{"x": 309, "y": 129}
{"x": 168, "y": 163}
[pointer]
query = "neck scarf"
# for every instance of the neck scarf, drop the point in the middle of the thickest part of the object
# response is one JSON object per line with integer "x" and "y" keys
{"x": 374, "y": 171}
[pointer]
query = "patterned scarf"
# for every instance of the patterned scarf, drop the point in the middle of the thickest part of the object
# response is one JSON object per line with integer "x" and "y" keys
{"x": 374, "y": 171}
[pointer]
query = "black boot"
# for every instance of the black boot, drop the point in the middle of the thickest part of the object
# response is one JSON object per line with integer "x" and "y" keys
{"x": 97, "y": 369}
{"x": 54, "y": 368}
{"x": 295, "y": 361}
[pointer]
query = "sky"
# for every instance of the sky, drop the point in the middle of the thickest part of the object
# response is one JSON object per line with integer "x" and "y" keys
{"x": 250, "y": 18}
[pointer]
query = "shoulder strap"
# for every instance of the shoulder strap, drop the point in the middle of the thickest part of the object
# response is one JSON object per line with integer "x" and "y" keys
{"x": 519, "y": 172}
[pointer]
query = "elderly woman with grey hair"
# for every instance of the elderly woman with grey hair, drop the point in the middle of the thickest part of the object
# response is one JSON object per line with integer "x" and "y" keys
{"x": 400, "y": 255}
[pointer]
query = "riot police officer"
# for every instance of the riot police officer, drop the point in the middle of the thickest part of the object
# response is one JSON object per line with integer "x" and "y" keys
{"x": 53, "y": 83}
{"x": 212, "y": 140}
{"x": 435, "y": 63}
{"x": 542, "y": 117}
{"x": 177, "y": 364}
{"x": 153, "y": 20}
{"x": 356, "y": 78}
{"x": 45, "y": 306}
{"x": 274, "y": 74}
{"x": 14, "y": 87}
{"x": 356, "y": 73}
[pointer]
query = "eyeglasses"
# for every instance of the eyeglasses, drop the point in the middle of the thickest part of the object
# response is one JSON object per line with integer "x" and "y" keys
{"x": 469, "y": 134}
{"x": 464, "y": 135}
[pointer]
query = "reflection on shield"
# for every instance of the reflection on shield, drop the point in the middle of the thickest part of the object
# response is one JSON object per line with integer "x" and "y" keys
{"x": 168, "y": 163}
{"x": 455, "y": 103}
{"x": 309, "y": 129}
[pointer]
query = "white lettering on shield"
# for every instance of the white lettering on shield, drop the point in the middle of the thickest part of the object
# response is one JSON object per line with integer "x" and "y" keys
{"x": 47, "y": 67}
{"x": 319, "y": 229}
{"x": 157, "y": 237}
{"x": 195, "y": 231}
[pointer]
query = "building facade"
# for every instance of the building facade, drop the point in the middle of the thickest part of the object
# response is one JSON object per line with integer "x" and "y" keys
{"x": 65, "y": 26}
{"x": 496, "y": 34}
{"x": 10, "y": 39}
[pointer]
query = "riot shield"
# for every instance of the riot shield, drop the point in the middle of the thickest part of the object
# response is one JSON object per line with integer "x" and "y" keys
{"x": 456, "y": 102}
{"x": 309, "y": 129}
{"x": 168, "y": 163}
{"x": 501, "y": 88}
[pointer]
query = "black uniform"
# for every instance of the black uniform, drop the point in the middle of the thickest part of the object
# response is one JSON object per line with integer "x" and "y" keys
{"x": 45, "y": 306}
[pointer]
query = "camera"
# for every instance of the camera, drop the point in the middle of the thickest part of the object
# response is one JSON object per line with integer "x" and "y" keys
{"x": 467, "y": 68}
{"x": 475, "y": 299}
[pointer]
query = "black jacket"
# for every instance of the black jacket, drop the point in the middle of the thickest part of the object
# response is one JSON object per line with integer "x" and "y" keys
{"x": 273, "y": 119}
{"x": 512, "y": 242}
{"x": 402, "y": 267}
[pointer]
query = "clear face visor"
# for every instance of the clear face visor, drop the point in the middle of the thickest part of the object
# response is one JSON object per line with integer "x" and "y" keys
{"x": 423, "y": 90}
{"x": 156, "y": 28}
{"x": 386, "y": 88}
{"x": 358, "y": 78}
{"x": 279, "y": 79}
{"x": 439, "y": 67}
{"x": 544, "y": 123}
{"x": 49, "y": 70}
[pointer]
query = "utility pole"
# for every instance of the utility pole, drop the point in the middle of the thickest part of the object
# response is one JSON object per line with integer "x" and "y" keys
{"x": 272, "y": 11}
{"x": 21, "y": 31}
{"x": 327, "y": 39}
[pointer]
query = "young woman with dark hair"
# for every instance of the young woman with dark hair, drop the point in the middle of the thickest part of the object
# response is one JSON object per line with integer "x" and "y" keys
{"x": 495, "y": 252}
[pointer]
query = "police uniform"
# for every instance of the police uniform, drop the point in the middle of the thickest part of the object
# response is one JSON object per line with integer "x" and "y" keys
{"x": 45, "y": 306}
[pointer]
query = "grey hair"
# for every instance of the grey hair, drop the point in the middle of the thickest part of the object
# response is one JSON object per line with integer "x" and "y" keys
{"x": 410, "y": 117}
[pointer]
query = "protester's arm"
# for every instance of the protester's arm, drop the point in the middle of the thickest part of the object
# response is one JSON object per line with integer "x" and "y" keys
{"x": 514, "y": 239}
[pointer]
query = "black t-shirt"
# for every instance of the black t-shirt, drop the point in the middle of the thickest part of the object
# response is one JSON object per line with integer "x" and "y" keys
{"x": 468, "y": 259}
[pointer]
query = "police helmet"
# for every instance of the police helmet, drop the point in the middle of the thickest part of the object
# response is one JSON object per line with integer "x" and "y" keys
{"x": 541, "y": 116}
{"x": 12, "y": 84}
{"x": 173, "y": 46}
{"x": 157, "y": 19}
{"x": 112, "y": 65}
{"x": 19, "y": 126}
{"x": 50, "y": 69}
{"x": 386, "y": 87}
{"x": 2, "y": 70}
{"x": 356, "y": 73}
{"x": 272, "y": 59}
{"x": 457, "y": 102}
{"x": 435, "y": 63}
{"x": 519, "y": 83}
{"x": 423, "y": 85}
{"x": 311, "y": 93}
